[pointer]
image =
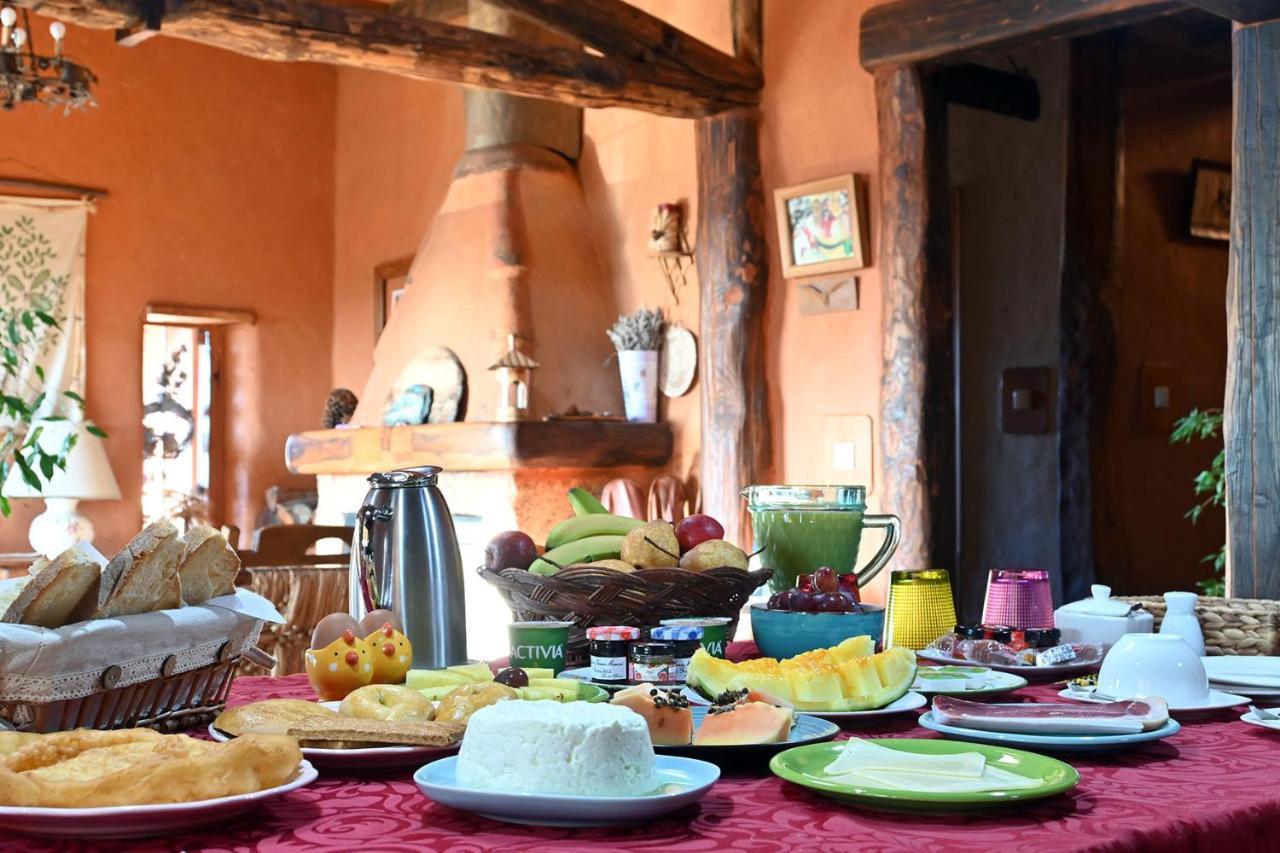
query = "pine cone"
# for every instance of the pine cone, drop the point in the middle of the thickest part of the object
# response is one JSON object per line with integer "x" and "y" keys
{"x": 339, "y": 408}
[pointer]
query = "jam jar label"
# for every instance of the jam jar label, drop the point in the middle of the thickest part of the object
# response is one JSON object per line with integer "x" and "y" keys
{"x": 609, "y": 669}
{"x": 679, "y": 671}
{"x": 650, "y": 672}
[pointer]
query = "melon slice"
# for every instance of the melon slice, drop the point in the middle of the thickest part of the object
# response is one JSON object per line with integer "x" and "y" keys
{"x": 746, "y": 723}
{"x": 852, "y": 649}
{"x": 709, "y": 675}
{"x": 667, "y": 713}
{"x": 813, "y": 683}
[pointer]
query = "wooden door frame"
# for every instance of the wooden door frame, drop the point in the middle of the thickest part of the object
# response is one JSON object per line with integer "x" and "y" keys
{"x": 895, "y": 40}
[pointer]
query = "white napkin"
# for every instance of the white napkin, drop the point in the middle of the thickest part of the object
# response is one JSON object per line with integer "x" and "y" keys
{"x": 867, "y": 764}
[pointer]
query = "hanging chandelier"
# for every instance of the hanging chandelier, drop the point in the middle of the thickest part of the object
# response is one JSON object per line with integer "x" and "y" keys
{"x": 26, "y": 76}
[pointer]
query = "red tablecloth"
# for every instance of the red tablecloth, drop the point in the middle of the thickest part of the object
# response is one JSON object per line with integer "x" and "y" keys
{"x": 1213, "y": 786}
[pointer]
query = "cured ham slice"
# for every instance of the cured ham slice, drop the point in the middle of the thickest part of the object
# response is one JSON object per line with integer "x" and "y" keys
{"x": 1126, "y": 717}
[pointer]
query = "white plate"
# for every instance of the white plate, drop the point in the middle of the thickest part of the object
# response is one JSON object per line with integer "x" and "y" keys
{"x": 1051, "y": 743}
{"x": 1247, "y": 690}
{"x": 584, "y": 674}
{"x": 1252, "y": 719}
{"x": 1033, "y": 672}
{"x": 1217, "y": 701}
{"x": 1241, "y": 670}
{"x": 907, "y": 702}
{"x": 369, "y": 758}
{"x": 142, "y": 821}
{"x": 689, "y": 778}
{"x": 994, "y": 681}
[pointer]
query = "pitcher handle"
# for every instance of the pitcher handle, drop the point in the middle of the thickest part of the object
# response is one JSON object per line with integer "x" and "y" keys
{"x": 365, "y": 518}
{"x": 892, "y": 536}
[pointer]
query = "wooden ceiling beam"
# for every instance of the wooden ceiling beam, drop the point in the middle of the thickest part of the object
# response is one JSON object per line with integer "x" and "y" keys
{"x": 621, "y": 31}
{"x": 1241, "y": 11}
{"x": 304, "y": 31}
{"x": 921, "y": 30}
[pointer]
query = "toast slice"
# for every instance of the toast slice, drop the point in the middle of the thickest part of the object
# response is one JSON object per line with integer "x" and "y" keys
{"x": 55, "y": 592}
{"x": 143, "y": 577}
{"x": 210, "y": 566}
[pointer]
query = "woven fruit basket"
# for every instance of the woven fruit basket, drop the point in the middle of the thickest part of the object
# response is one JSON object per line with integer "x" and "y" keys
{"x": 1231, "y": 626}
{"x": 589, "y": 596}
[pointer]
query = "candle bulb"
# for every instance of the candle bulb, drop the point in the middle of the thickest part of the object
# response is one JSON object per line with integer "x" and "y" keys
{"x": 8, "y": 18}
{"x": 19, "y": 38}
{"x": 59, "y": 31}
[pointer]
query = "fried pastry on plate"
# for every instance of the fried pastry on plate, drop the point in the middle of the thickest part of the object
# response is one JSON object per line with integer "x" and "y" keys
{"x": 86, "y": 768}
{"x": 269, "y": 717}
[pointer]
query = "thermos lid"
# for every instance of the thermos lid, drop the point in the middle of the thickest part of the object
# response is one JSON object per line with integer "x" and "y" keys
{"x": 406, "y": 478}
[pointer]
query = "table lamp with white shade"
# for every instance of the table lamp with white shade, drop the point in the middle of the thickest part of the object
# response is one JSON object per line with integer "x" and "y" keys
{"x": 87, "y": 477}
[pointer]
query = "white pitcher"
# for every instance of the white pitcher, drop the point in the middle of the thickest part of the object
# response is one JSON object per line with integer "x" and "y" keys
{"x": 1180, "y": 619}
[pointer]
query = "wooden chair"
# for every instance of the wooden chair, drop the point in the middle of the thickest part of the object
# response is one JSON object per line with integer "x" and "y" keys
{"x": 304, "y": 587}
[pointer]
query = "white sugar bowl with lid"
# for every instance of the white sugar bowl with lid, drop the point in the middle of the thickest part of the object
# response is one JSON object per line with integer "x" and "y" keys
{"x": 1101, "y": 619}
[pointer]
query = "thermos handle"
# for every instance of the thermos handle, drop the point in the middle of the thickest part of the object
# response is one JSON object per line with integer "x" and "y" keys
{"x": 365, "y": 518}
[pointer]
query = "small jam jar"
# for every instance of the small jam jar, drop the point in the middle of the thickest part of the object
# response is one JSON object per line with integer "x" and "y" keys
{"x": 684, "y": 640}
{"x": 608, "y": 652}
{"x": 651, "y": 662}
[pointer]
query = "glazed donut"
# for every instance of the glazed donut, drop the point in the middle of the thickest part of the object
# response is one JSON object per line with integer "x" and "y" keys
{"x": 387, "y": 702}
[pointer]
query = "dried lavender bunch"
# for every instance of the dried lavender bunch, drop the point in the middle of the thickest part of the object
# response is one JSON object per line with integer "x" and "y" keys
{"x": 639, "y": 331}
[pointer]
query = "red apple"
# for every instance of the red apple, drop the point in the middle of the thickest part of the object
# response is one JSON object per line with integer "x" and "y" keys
{"x": 693, "y": 530}
{"x": 510, "y": 550}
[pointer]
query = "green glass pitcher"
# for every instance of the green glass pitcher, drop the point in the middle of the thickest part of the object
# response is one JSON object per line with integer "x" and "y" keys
{"x": 801, "y": 528}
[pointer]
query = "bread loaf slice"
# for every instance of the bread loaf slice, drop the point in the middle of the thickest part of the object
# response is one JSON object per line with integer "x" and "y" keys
{"x": 54, "y": 595}
{"x": 144, "y": 576}
{"x": 210, "y": 566}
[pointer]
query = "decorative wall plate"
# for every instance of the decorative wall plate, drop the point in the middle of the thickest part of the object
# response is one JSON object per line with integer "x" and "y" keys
{"x": 678, "y": 365}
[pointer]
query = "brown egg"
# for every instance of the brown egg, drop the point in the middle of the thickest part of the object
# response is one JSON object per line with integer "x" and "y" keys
{"x": 332, "y": 627}
{"x": 375, "y": 619}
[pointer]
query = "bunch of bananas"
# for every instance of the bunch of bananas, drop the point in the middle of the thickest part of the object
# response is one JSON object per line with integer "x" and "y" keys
{"x": 592, "y": 535}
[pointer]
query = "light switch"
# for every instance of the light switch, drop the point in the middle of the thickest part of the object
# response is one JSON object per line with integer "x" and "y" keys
{"x": 1021, "y": 400}
{"x": 843, "y": 456}
{"x": 1161, "y": 395}
{"x": 1160, "y": 388}
{"x": 846, "y": 450}
{"x": 1025, "y": 395}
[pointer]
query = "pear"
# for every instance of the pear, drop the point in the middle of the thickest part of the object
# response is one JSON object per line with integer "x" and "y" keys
{"x": 615, "y": 565}
{"x": 714, "y": 554}
{"x": 651, "y": 546}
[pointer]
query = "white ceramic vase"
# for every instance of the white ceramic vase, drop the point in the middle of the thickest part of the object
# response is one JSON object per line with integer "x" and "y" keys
{"x": 1180, "y": 620}
{"x": 639, "y": 372}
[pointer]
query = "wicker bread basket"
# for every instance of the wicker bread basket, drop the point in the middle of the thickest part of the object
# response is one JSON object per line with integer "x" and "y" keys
{"x": 589, "y": 596}
{"x": 1231, "y": 626}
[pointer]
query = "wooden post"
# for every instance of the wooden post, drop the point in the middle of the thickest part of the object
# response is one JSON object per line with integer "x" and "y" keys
{"x": 1252, "y": 427}
{"x": 904, "y": 210}
{"x": 733, "y": 274}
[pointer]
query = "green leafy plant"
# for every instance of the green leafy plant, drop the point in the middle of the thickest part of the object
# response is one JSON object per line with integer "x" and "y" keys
{"x": 30, "y": 295}
{"x": 1210, "y": 484}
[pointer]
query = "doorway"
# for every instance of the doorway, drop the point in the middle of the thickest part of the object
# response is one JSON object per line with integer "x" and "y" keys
{"x": 1085, "y": 318}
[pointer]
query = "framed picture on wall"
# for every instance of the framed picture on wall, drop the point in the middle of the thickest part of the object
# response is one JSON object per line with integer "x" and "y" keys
{"x": 389, "y": 282}
{"x": 1211, "y": 200}
{"x": 821, "y": 227}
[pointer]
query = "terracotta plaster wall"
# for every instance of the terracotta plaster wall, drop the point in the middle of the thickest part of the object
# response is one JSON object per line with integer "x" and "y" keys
{"x": 220, "y": 174}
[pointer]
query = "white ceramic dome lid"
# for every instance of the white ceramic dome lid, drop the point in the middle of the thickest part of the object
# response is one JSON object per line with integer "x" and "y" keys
{"x": 1101, "y": 604}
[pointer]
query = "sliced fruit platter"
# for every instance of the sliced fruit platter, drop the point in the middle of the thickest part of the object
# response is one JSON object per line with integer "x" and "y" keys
{"x": 530, "y": 683}
{"x": 845, "y": 680}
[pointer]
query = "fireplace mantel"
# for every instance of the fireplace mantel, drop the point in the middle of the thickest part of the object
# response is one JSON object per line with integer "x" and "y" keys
{"x": 480, "y": 446}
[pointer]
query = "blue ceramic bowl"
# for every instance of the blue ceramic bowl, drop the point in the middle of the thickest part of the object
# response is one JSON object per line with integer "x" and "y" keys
{"x": 787, "y": 633}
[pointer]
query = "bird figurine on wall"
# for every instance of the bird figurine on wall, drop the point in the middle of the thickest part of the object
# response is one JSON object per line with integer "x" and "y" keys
{"x": 339, "y": 408}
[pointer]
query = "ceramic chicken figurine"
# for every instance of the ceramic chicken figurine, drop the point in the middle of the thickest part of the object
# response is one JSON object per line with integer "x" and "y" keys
{"x": 389, "y": 648}
{"x": 338, "y": 660}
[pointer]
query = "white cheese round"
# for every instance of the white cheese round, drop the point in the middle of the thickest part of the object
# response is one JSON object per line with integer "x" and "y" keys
{"x": 545, "y": 747}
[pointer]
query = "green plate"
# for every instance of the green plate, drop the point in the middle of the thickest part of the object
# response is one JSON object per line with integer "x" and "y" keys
{"x": 803, "y": 765}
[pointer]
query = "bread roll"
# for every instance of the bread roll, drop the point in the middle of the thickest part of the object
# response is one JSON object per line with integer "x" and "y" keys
{"x": 143, "y": 577}
{"x": 210, "y": 566}
{"x": 54, "y": 595}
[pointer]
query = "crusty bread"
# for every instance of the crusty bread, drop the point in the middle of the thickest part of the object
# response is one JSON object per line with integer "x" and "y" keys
{"x": 54, "y": 595}
{"x": 210, "y": 566}
{"x": 143, "y": 577}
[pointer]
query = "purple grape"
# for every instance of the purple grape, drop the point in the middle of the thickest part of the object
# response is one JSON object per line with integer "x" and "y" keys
{"x": 830, "y": 602}
{"x": 780, "y": 600}
{"x": 802, "y": 601}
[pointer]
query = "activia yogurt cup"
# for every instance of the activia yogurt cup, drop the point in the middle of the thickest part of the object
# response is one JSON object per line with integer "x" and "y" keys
{"x": 715, "y": 631}
{"x": 539, "y": 645}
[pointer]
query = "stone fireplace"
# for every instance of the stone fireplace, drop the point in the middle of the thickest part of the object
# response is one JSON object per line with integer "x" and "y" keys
{"x": 508, "y": 253}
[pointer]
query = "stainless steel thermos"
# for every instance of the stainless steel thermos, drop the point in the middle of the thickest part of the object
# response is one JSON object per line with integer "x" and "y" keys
{"x": 405, "y": 558}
